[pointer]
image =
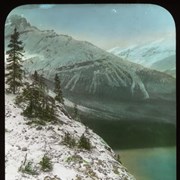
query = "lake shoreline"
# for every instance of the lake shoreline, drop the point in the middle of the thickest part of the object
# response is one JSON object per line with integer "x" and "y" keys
{"x": 129, "y": 135}
{"x": 150, "y": 163}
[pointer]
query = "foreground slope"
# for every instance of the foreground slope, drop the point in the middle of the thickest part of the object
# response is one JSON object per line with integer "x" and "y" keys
{"x": 25, "y": 143}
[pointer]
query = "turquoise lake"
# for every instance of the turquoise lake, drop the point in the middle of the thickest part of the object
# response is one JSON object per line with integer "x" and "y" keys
{"x": 146, "y": 149}
{"x": 150, "y": 163}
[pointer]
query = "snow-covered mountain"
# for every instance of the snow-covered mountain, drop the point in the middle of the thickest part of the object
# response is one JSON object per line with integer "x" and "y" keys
{"x": 158, "y": 54}
{"x": 29, "y": 143}
{"x": 46, "y": 46}
{"x": 167, "y": 65}
{"x": 90, "y": 74}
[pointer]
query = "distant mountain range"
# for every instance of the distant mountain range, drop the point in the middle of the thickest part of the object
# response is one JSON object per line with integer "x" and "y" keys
{"x": 159, "y": 54}
{"x": 95, "y": 78}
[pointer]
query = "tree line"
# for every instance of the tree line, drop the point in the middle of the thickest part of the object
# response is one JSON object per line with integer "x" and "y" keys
{"x": 38, "y": 103}
{"x": 32, "y": 95}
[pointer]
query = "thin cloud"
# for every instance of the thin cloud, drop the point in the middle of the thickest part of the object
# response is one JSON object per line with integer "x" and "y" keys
{"x": 46, "y": 6}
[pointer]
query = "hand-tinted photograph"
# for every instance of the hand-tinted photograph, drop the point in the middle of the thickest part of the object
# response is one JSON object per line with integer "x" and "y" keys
{"x": 90, "y": 92}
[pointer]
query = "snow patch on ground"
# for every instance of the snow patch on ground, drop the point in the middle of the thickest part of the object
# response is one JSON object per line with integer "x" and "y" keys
{"x": 23, "y": 141}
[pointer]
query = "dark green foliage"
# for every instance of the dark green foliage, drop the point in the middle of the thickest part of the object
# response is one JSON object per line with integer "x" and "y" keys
{"x": 46, "y": 164}
{"x": 75, "y": 113}
{"x": 78, "y": 177}
{"x": 35, "y": 77}
{"x": 69, "y": 140}
{"x": 75, "y": 158}
{"x": 57, "y": 90}
{"x": 38, "y": 80}
{"x": 115, "y": 169}
{"x": 28, "y": 169}
{"x": 84, "y": 143}
{"x": 118, "y": 158}
{"x": 14, "y": 66}
{"x": 75, "y": 110}
{"x": 38, "y": 103}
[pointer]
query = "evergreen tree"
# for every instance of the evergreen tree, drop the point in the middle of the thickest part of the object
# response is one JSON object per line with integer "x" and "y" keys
{"x": 57, "y": 90}
{"x": 14, "y": 60}
{"x": 39, "y": 80}
{"x": 38, "y": 103}
{"x": 75, "y": 113}
{"x": 35, "y": 77}
{"x": 84, "y": 143}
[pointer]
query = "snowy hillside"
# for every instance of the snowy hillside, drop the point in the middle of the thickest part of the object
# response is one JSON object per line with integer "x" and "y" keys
{"x": 148, "y": 54}
{"x": 29, "y": 143}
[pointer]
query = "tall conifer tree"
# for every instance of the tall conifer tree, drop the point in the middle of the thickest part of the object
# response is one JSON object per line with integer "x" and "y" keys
{"x": 57, "y": 90}
{"x": 38, "y": 103}
{"x": 14, "y": 67}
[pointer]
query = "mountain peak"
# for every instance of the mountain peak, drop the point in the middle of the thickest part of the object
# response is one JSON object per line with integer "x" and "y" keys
{"x": 17, "y": 21}
{"x": 150, "y": 53}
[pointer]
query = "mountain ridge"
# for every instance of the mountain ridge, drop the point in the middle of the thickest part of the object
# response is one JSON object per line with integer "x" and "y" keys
{"x": 149, "y": 54}
{"x": 88, "y": 71}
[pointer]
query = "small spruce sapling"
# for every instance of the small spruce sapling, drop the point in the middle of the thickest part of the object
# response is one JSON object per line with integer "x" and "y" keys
{"x": 84, "y": 143}
{"x": 76, "y": 113}
{"x": 69, "y": 140}
{"x": 58, "y": 90}
{"x": 46, "y": 164}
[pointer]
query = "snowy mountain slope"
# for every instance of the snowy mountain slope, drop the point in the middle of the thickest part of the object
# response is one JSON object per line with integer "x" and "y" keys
{"x": 148, "y": 54}
{"x": 137, "y": 93}
{"x": 164, "y": 64}
{"x": 172, "y": 72}
{"x": 31, "y": 143}
{"x": 114, "y": 90}
{"x": 50, "y": 53}
{"x": 49, "y": 46}
{"x": 91, "y": 74}
{"x": 115, "y": 79}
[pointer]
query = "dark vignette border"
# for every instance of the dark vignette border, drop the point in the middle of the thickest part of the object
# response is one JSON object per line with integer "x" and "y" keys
{"x": 8, "y": 5}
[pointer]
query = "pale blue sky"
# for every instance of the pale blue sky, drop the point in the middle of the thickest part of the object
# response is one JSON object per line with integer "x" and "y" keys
{"x": 105, "y": 25}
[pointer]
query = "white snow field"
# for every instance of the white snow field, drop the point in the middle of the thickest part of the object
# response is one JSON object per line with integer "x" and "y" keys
{"x": 32, "y": 142}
